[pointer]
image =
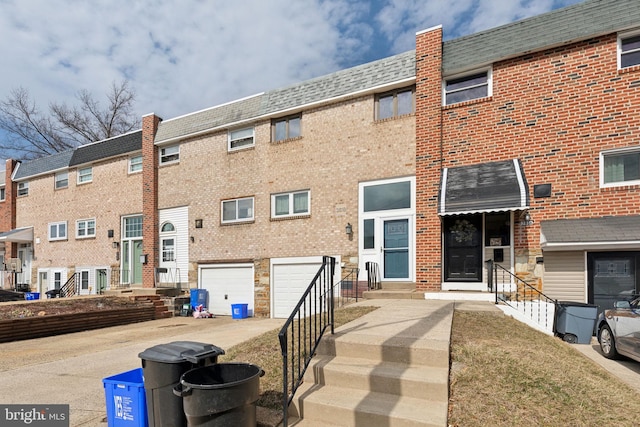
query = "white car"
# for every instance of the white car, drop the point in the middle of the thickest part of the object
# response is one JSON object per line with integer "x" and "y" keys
{"x": 618, "y": 330}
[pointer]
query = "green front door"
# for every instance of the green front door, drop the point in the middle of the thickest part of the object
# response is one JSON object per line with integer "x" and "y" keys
{"x": 135, "y": 262}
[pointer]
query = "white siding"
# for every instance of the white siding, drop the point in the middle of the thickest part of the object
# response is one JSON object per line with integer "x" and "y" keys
{"x": 564, "y": 276}
{"x": 179, "y": 217}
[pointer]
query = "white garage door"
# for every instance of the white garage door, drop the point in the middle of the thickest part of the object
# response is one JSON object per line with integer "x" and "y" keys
{"x": 289, "y": 282}
{"x": 226, "y": 285}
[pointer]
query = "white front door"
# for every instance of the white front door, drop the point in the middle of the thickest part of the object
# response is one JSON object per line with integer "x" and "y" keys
{"x": 84, "y": 284}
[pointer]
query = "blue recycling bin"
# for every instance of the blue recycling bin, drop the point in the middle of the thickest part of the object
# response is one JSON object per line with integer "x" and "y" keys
{"x": 126, "y": 399}
{"x": 198, "y": 296}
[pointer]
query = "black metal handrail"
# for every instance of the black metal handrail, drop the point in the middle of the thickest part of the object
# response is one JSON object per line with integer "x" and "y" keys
{"x": 373, "y": 275}
{"x": 301, "y": 333}
{"x": 521, "y": 296}
{"x": 348, "y": 289}
{"x": 70, "y": 287}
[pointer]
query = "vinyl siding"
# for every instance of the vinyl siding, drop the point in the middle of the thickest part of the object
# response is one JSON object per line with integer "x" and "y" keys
{"x": 564, "y": 276}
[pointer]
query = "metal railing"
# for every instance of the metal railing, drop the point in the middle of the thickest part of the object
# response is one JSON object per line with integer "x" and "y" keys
{"x": 511, "y": 290}
{"x": 347, "y": 290}
{"x": 167, "y": 277}
{"x": 373, "y": 275}
{"x": 70, "y": 287}
{"x": 301, "y": 333}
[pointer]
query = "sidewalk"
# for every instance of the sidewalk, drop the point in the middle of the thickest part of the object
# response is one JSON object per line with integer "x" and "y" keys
{"x": 69, "y": 369}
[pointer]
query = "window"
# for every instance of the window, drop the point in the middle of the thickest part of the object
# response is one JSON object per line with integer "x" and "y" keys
{"x": 167, "y": 227}
{"x": 237, "y": 210}
{"x": 621, "y": 167}
{"x": 84, "y": 280}
{"x": 132, "y": 227}
{"x": 383, "y": 197}
{"x": 85, "y": 228}
{"x": 290, "y": 204}
{"x": 23, "y": 188}
{"x": 394, "y": 104}
{"x": 62, "y": 180}
{"x": 467, "y": 88}
{"x": 241, "y": 138}
{"x": 58, "y": 230}
{"x": 169, "y": 154}
{"x": 629, "y": 51}
{"x": 85, "y": 175}
{"x": 2, "y": 193}
{"x": 286, "y": 128}
{"x": 168, "y": 249}
{"x": 135, "y": 164}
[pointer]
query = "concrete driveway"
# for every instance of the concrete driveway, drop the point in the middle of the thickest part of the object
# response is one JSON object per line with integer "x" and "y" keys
{"x": 69, "y": 369}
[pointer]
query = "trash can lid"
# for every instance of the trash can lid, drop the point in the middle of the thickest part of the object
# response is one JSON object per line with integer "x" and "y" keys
{"x": 181, "y": 351}
{"x": 575, "y": 304}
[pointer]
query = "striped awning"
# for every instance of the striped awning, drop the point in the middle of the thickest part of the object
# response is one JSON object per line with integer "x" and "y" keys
{"x": 17, "y": 235}
{"x": 483, "y": 187}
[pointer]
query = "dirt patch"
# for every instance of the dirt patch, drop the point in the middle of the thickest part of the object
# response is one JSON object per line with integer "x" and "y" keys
{"x": 23, "y": 309}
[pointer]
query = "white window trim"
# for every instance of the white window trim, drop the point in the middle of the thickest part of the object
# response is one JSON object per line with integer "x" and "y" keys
{"x": 489, "y": 72}
{"x": 230, "y": 140}
{"x": 85, "y": 221}
{"x": 24, "y": 189}
{"x": 622, "y": 36}
{"x": 57, "y": 225}
{"x": 604, "y": 154}
{"x": 130, "y": 164}
{"x": 291, "y": 213}
{"x": 56, "y": 180}
{"x": 232, "y": 221}
{"x": 80, "y": 175}
{"x": 3, "y": 193}
{"x": 162, "y": 156}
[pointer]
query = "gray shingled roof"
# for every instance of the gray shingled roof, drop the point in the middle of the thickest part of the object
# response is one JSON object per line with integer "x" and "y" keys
{"x": 112, "y": 147}
{"x": 578, "y": 22}
{"x": 43, "y": 165}
{"x": 592, "y": 230}
{"x": 341, "y": 83}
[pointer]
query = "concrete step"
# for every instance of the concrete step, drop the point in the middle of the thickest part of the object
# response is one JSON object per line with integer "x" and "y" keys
{"x": 392, "y": 294}
{"x": 351, "y": 407}
{"x": 396, "y": 349}
{"x": 398, "y": 286}
{"x": 423, "y": 382}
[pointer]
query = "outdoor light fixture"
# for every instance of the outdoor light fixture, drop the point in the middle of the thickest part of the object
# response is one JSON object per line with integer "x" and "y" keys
{"x": 198, "y": 223}
{"x": 115, "y": 245}
{"x": 349, "y": 229}
{"x": 143, "y": 259}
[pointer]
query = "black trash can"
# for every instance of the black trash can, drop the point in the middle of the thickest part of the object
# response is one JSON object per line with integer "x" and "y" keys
{"x": 162, "y": 366}
{"x": 220, "y": 395}
{"x": 575, "y": 321}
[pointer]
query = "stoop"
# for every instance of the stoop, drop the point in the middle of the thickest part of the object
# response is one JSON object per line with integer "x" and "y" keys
{"x": 389, "y": 367}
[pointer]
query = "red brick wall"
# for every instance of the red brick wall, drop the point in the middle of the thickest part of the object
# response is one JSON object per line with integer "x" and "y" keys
{"x": 428, "y": 157}
{"x": 8, "y": 207}
{"x": 149, "y": 198}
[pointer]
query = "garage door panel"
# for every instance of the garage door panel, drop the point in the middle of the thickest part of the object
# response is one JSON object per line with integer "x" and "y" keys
{"x": 289, "y": 283}
{"x": 227, "y": 286}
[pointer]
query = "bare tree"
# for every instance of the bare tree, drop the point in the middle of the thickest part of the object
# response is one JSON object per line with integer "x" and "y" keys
{"x": 29, "y": 133}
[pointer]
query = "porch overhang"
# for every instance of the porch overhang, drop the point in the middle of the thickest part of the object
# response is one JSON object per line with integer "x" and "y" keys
{"x": 484, "y": 187}
{"x": 582, "y": 234}
{"x": 17, "y": 235}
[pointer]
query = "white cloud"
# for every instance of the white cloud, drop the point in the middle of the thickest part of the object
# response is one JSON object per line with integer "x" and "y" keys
{"x": 184, "y": 56}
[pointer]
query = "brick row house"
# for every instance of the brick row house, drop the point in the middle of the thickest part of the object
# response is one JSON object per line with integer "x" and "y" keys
{"x": 519, "y": 144}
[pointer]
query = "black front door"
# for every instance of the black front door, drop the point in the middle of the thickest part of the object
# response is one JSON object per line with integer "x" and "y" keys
{"x": 612, "y": 276}
{"x": 463, "y": 248}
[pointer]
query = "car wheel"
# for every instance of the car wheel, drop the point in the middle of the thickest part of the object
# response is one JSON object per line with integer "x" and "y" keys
{"x": 608, "y": 343}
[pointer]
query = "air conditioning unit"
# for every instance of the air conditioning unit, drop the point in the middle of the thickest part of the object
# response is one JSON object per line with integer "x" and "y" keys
{"x": 14, "y": 264}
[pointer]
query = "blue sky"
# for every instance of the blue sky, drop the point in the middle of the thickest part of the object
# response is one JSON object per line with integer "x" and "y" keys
{"x": 185, "y": 56}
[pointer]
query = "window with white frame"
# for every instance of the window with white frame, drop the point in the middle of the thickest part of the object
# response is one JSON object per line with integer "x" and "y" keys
{"x": 620, "y": 167}
{"x": 23, "y": 188}
{"x": 58, "y": 230}
{"x": 2, "y": 193}
{"x": 290, "y": 204}
{"x": 132, "y": 226}
{"x": 135, "y": 164}
{"x": 168, "y": 249}
{"x": 85, "y": 175}
{"x": 169, "y": 154}
{"x": 61, "y": 180}
{"x": 85, "y": 228}
{"x": 241, "y": 138}
{"x": 467, "y": 88}
{"x": 629, "y": 50}
{"x": 286, "y": 128}
{"x": 396, "y": 103}
{"x": 237, "y": 210}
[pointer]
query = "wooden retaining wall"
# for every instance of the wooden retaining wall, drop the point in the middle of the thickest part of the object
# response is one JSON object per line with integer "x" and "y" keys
{"x": 48, "y": 325}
